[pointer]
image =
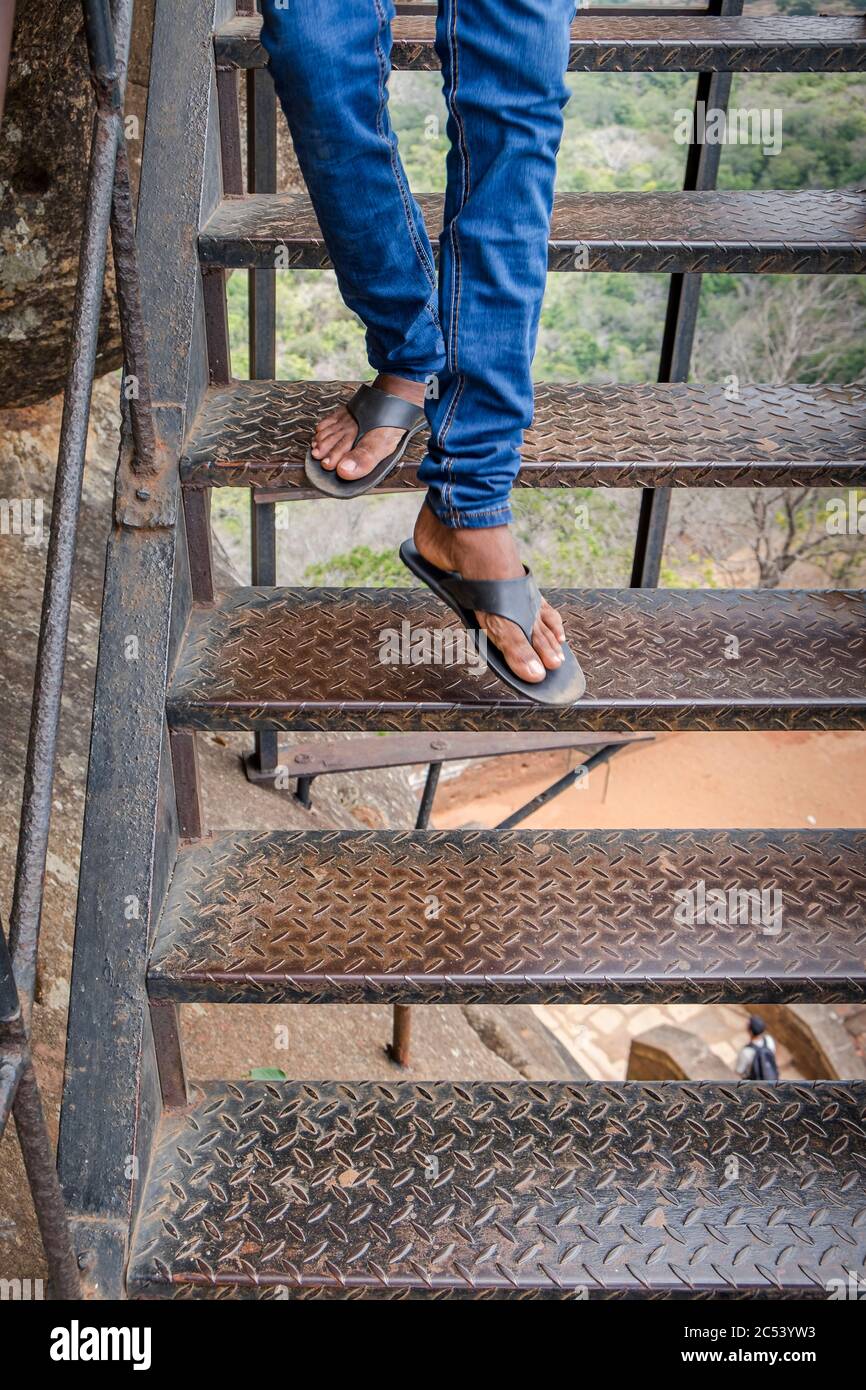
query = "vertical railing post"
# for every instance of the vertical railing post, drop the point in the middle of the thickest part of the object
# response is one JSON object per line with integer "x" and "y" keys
{"x": 168, "y": 1044}
{"x": 702, "y": 167}
{"x": 33, "y": 1138}
{"x": 39, "y": 1163}
{"x": 398, "y": 1048}
{"x": 422, "y": 820}
{"x": 304, "y": 792}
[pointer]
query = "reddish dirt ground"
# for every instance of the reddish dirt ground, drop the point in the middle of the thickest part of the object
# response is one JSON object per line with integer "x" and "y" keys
{"x": 687, "y": 781}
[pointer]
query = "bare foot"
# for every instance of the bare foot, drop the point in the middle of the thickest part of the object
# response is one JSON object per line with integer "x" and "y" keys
{"x": 332, "y": 443}
{"x": 490, "y": 553}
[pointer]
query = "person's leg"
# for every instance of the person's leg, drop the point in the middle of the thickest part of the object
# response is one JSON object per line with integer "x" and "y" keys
{"x": 330, "y": 62}
{"x": 504, "y": 64}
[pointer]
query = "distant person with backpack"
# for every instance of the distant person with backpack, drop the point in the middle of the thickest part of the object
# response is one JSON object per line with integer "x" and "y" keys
{"x": 757, "y": 1060}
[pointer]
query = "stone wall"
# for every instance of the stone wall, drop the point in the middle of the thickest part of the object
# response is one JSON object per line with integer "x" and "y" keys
{"x": 44, "y": 149}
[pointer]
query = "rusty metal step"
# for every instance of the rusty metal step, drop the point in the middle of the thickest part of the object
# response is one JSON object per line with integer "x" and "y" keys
{"x": 601, "y": 43}
{"x": 757, "y": 232}
{"x": 256, "y": 434}
{"x": 506, "y": 917}
{"x": 381, "y": 659}
{"x": 261, "y": 1188}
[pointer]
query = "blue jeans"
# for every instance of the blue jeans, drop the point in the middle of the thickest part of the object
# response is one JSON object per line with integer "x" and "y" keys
{"x": 473, "y": 334}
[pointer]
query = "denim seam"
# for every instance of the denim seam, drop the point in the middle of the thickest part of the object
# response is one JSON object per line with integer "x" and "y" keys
{"x": 426, "y": 264}
{"x": 482, "y": 511}
{"x": 448, "y": 459}
{"x": 453, "y": 346}
{"x": 459, "y": 514}
{"x": 463, "y": 152}
{"x": 428, "y": 270}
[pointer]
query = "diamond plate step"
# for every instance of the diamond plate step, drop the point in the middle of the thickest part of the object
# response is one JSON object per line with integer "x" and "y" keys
{"x": 515, "y": 917}
{"x": 679, "y": 43}
{"x": 762, "y": 232}
{"x": 317, "y": 659}
{"x": 262, "y": 1188}
{"x": 256, "y": 434}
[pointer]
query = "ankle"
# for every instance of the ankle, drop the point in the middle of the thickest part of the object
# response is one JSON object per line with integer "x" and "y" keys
{"x": 433, "y": 538}
{"x": 414, "y": 391}
{"x": 477, "y": 552}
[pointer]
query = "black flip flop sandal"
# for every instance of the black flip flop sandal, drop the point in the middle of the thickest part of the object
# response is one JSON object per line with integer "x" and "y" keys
{"x": 371, "y": 409}
{"x": 515, "y": 599}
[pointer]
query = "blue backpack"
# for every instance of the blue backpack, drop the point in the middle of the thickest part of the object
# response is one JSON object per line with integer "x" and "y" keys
{"x": 764, "y": 1066}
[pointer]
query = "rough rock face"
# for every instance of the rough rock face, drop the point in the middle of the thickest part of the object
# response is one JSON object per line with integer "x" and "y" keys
{"x": 44, "y": 148}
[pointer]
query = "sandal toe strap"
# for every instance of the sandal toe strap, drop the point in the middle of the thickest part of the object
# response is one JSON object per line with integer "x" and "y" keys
{"x": 518, "y": 600}
{"x": 373, "y": 409}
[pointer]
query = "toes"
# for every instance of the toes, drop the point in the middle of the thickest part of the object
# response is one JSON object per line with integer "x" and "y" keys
{"x": 552, "y": 620}
{"x": 333, "y": 429}
{"x": 323, "y": 437}
{"x": 336, "y": 419}
{"x": 321, "y": 452}
{"x": 356, "y": 463}
{"x": 553, "y": 631}
{"x": 325, "y": 445}
{"x": 524, "y": 662}
{"x": 338, "y": 449}
{"x": 546, "y": 645}
{"x": 331, "y": 424}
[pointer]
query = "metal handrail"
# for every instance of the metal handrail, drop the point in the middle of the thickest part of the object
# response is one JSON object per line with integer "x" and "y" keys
{"x": 108, "y": 207}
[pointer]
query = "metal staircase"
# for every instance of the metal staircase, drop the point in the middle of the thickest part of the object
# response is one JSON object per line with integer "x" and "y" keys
{"x": 380, "y": 1190}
